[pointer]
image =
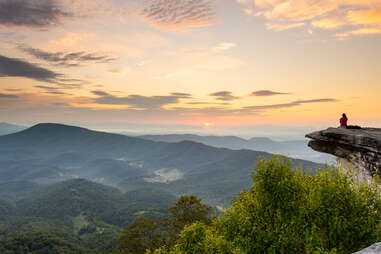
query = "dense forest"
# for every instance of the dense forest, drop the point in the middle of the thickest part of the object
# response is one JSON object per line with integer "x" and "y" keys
{"x": 286, "y": 210}
{"x": 74, "y": 216}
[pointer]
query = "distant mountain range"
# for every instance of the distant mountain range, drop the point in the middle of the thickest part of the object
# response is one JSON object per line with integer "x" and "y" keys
{"x": 6, "y": 128}
{"x": 293, "y": 148}
{"x": 48, "y": 153}
{"x": 72, "y": 189}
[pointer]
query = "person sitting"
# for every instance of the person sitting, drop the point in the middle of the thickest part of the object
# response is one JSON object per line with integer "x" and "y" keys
{"x": 344, "y": 121}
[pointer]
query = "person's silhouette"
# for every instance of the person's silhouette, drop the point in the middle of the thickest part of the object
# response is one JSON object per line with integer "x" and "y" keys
{"x": 344, "y": 121}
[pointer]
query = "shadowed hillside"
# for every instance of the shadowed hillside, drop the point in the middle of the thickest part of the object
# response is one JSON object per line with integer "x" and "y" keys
{"x": 48, "y": 153}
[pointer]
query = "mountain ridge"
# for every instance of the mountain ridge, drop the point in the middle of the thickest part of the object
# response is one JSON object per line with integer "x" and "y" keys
{"x": 47, "y": 153}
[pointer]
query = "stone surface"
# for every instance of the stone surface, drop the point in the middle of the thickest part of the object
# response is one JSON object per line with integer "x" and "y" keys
{"x": 360, "y": 147}
{"x": 373, "y": 249}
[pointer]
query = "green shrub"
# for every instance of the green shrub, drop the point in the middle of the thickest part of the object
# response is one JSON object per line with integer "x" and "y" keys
{"x": 288, "y": 211}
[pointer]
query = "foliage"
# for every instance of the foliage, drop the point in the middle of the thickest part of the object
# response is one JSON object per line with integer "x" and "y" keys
{"x": 139, "y": 236}
{"x": 188, "y": 209}
{"x": 288, "y": 211}
{"x": 146, "y": 234}
{"x": 40, "y": 244}
{"x": 76, "y": 213}
{"x": 198, "y": 238}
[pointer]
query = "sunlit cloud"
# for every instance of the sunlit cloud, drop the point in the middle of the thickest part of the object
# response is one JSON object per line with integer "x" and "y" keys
{"x": 119, "y": 70}
{"x": 223, "y": 46}
{"x": 281, "y": 27}
{"x": 355, "y": 16}
{"x": 360, "y": 31}
{"x": 328, "y": 23}
{"x": 139, "y": 101}
{"x": 177, "y": 14}
{"x": 365, "y": 17}
{"x": 136, "y": 108}
{"x": 72, "y": 39}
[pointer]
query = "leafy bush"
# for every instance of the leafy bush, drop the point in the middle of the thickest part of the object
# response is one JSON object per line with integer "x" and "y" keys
{"x": 288, "y": 211}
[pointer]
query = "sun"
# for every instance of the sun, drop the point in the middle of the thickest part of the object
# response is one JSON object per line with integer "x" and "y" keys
{"x": 207, "y": 124}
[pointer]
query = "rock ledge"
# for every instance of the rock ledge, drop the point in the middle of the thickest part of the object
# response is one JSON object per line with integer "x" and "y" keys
{"x": 361, "y": 147}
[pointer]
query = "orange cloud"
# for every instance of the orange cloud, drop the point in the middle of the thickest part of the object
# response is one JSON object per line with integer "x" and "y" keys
{"x": 365, "y": 17}
{"x": 361, "y": 31}
{"x": 282, "y": 27}
{"x": 355, "y": 16}
{"x": 327, "y": 23}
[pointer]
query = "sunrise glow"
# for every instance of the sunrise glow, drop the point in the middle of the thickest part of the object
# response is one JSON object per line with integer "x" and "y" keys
{"x": 285, "y": 62}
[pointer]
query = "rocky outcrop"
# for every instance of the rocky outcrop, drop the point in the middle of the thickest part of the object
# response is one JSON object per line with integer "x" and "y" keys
{"x": 360, "y": 147}
{"x": 373, "y": 249}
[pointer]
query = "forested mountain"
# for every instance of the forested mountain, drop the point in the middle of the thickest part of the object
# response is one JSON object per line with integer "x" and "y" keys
{"x": 292, "y": 148}
{"x": 77, "y": 216}
{"x": 48, "y": 153}
{"x": 65, "y": 189}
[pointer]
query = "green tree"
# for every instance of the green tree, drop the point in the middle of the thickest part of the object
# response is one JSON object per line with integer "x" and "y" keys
{"x": 139, "y": 236}
{"x": 187, "y": 210}
{"x": 288, "y": 211}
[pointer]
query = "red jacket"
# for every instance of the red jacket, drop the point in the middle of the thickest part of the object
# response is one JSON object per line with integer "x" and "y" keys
{"x": 343, "y": 121}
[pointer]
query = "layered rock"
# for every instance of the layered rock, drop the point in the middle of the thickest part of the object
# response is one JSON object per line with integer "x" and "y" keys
{"x": 360, "y": 147}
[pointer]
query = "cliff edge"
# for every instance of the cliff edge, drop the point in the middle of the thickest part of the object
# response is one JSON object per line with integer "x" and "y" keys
{"x": 360, "y": 147}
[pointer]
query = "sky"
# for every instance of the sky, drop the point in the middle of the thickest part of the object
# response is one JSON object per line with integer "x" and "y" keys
{"x": 214, "y": 66}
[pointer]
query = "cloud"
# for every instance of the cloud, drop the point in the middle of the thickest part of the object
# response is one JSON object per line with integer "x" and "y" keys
{"x": 287, "y": 105}
{"x": 100, "y": 93}
{"x": 67, "y": 59}
{"x": 11, "y": 96}
{"x": 360, "y": 31}
{"x": 177, "y": 14}
{"x": 183, "y": 95}
{"x": 352, "y": 16}
{"x": 52, "y": 90}
{"x": 13, "y": 89}
{"x": 282, "y": 27}
{"x": 207, "y": 103}
{"x": 45, "y": 108}
{"x": 15, "y": 67}
{"x": 60, "y": 104}
{"x": 139, "y": 101}
{"x": 266, "y": 93}
{"x": 328, "y": 23}
{"x": 31, "y": 13}
{"x": 365, "y": 17}
{"x": 224, "y": 96}
{"x": 223, "y": 46}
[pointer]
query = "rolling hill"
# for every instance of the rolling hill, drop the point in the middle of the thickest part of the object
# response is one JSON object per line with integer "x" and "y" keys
{"x": 75, "y": 216}
{"x": 48, "y": 153}
{"x": 292, "y": 148}
{"x": 6, "y": 128}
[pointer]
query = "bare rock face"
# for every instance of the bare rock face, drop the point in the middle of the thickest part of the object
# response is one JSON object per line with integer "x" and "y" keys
{"x": 373, "y": 249}
{"x": 360, "y": 147}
